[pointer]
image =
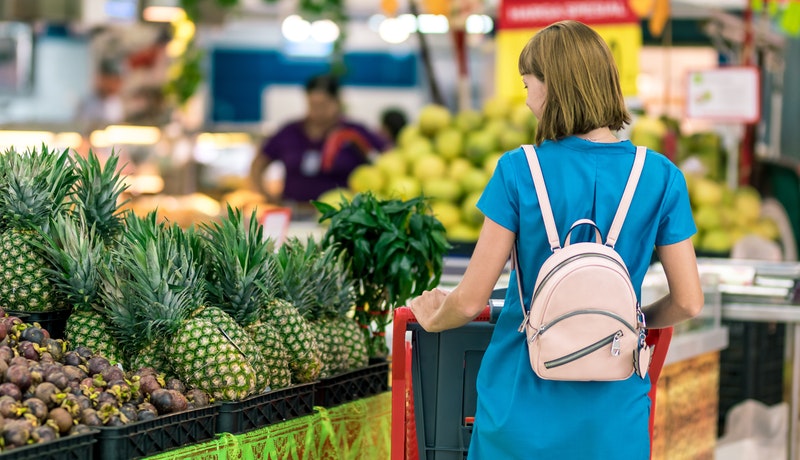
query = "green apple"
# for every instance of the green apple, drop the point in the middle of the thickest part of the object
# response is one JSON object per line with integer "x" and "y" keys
{"x": 449, "y": 143}
{"x": 442, "y": 189}
{"x": 366, "y": 178}
{"x": 512, "y": 138}
{"x": 479, "y": 145}
{"x": 433, "y": 118}
{"x": 408, "y": 134}
{"x": 447, "y": 213}
{"x": 429, "y": 166}
{"x": 470, "y": 214}
{"x": 391, "y": 162}
{"x": 473, "y": 180}
{"x": 468, "y": 120}
{"x": 463, "y": 233}
{"x": 457, "y": 168}
{"x": 403, "y": 187}
{"x": 490, "y": 163}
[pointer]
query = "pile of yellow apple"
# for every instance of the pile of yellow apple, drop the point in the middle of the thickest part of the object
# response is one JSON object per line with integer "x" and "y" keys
{"x": 447, "y": 157}
{"x": 724, "y": 215}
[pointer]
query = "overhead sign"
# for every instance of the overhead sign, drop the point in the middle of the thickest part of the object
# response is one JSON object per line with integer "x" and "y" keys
{"x": 525, "y": 14}
{"x": 724, "y": 94}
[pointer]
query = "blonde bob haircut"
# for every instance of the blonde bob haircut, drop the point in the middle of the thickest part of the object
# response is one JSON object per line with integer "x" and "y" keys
{"x": 580, "y": 77}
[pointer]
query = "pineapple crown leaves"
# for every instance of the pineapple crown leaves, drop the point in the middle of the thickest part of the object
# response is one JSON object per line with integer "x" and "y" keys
{"x": 35, "y": 186}
{"x": 160, "y": 278}
{"x": 292, "y": 272}
{"x": 76, "y": 254}
{"x": 395, "y": 248}
{"x": 237, "y": 263}
{"x": 97, "y": 193}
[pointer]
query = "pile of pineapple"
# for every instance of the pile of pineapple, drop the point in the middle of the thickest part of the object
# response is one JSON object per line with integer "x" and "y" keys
{"x": 215, "y": 306}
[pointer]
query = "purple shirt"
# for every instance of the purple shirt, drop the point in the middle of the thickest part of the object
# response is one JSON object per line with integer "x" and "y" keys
{"x": 309, "y": 173}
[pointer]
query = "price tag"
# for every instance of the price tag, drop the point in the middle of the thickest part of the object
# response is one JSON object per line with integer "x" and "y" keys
{"x": 276, "y": 223}
{"x": 724, "y": 94}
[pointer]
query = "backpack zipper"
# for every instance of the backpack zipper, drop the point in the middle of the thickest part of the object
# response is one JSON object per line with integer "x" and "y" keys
{"x": 612, "y": 339}
{"x": 578, "y": 256}
{"x": 542, "y": 329}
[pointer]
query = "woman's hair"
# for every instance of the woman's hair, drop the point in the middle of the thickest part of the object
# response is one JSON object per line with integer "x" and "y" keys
{"x": 327, "y": 83}
{"x": 581, "y": 79}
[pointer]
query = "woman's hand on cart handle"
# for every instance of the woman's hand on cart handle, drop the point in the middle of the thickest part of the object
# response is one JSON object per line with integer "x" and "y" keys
{"x": 426, "y": 307}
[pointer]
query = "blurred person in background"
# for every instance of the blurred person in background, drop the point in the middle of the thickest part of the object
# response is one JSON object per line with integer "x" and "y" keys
{"x": 392, "y": 122}
{"x": 318, "y": 151}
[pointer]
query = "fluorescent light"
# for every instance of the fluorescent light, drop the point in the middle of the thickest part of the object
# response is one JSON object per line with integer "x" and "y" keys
{"x": 126, "y": 135}
{"x": 433, "y": 23}
{"x": 22, "y": 140}
{"x": 295, "y": 28}
{"x": 393, "y": 31}
{"x": 324, "y": 31}
{"x": 479, "y": 24}
{"x": 162, "y": 13}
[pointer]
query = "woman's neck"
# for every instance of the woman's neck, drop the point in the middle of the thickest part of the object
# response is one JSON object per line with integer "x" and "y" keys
{"x": 599, "y": 135}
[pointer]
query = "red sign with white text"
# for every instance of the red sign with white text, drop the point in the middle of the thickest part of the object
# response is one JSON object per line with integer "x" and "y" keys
{"x": 527, "y": 14}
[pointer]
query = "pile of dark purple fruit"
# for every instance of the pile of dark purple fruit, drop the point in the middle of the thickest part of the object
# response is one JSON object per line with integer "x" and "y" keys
{"x": 48, "y": 391}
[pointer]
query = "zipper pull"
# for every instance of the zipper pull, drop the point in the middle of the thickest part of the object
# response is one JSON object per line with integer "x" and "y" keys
{"x": 521, "y": 327}
{"x": 615, "y": 345}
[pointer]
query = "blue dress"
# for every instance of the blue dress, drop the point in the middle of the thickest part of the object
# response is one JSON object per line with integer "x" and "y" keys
{"x": 520, "y": 416}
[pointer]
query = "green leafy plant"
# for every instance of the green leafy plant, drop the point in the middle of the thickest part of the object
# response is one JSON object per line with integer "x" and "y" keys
{"x": 395, "y": 250}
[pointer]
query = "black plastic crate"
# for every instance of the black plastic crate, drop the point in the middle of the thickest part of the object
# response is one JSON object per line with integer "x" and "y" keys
{"x": 54, "y": 322}
{"x": 350, "y": 386}
{"x": 149, "y": 437}
{"x": 265, "y": 409}
{"x": 752, "y": 366}
{"x": 73, "y": 447}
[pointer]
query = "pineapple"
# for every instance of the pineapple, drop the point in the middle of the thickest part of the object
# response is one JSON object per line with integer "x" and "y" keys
{"x": 343, "y": 323}
{"x": 237, "y": 260}
{"x": 160, "y": 289}
{"x": 308, "y": 287}
{"x": 280, "y": 313}
{"x": 77, "y": 253}
{"x": 33, "y": 190}
{"x": 96, "y": 205}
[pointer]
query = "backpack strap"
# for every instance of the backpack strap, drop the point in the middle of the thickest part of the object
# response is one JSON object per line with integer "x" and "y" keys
{"x": 544, "y": 199}
{"x": 627, "y": 197}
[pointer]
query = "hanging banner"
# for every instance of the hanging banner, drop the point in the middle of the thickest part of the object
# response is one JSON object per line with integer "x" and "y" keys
{"x": 518, "y": 20}
{"x": 526, "y": 14}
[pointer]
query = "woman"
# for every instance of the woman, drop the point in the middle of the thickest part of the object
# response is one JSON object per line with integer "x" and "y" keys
{"x": 573, "y": 89}
{"x": 319, "y": 151}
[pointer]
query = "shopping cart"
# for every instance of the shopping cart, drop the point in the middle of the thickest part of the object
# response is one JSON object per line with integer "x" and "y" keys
{"x": 433, "y": 384}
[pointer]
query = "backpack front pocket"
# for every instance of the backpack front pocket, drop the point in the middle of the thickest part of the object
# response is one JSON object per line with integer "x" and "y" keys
{"x": 612, "y": 340}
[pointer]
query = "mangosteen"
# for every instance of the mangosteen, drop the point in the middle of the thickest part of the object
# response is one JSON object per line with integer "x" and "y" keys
{"x": 9, "y": 407}
{"x": 83, "y": 401}
{"x": 6, "y": 353}
{"x": 129, "y": 411}
{"x": 142, "y": 371}
{"x": 169, "y": 401}
{"x": 46, "y": 357}
{"x": 32, "y": 334}
{"x": 10, "y": 389}
{"x": 28, "y": 350}
{"x": 147, "y": 411}
{"x": 74, "y": 373}
{"x": 79, "y": 429}
{"x": 90, "y": 417}
{"x": 18, "y": 360}
{"x": 58, "y": 378}
{"x": 97, "y": 364}
{"x": 106, "y": 397}
{"x": 87, "y": 382}
{"x": 149, "y": 383}
{"x": 115, "y": 420}
{"x": 54, "y": 347}
{"x": 3, "y": 330}
{"x": 47, "y": 392}
{"x": 43, "y": 433}
{"x": 112, "y": 373}
{"x": 71, "y": 404}
{"x": 198, "y": 398}
{"x": 37, "y": 408}
{"x": 19, "y": 375}
{"x": 83, "y": 352}
{"x": 16, "y": 433}
{"x": 62, "y": 418}
{"x": 175, "y": 384}
{"x": 72, "y": 358}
